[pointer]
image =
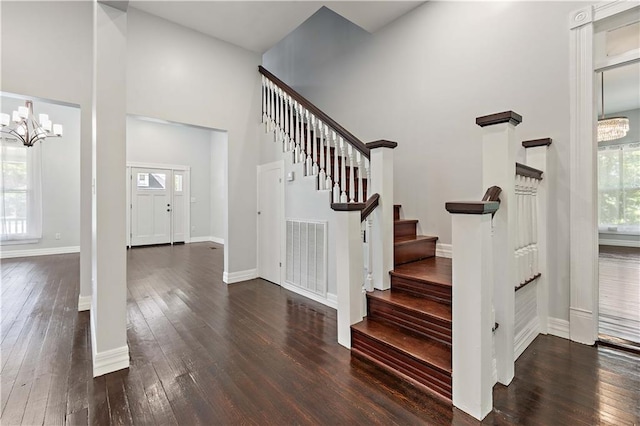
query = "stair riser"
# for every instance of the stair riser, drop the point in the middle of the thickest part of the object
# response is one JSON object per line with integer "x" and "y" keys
{"x": 405, "y": 253}
{"x": 398, "y": 362}
{"x": 417, "y": 322}
{"x": 404, "y": 229}
{"x": 421, "y": 289}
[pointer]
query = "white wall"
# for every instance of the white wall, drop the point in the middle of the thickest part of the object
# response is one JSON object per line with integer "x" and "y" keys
{"x": 180, "y": 75}
{"x": 174, "y": 144}
{"x": 218, "y": 180}
{"x": 61, "y": 34}
{"x": 422, "y": 81}
{"x": 60, "y": 177}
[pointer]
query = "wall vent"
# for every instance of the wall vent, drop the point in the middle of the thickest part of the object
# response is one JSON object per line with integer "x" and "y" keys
{"x": 307, "y": 255}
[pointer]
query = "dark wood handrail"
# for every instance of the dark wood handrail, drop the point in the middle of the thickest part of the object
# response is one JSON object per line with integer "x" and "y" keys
{"x": 526, "y": 171}
{"x": 346, "y": 135}
{"x": 492, "y": 194}
{"x": 369, "y": 207}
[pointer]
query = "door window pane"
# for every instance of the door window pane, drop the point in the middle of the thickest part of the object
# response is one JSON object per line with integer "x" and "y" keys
{"x": 151, "y": 180}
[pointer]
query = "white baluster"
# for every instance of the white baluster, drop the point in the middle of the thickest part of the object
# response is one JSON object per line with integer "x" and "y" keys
{"x": 309, "y": 162}
{"x": 317, "y": 134}
{"x": 268, "y": 106}
{"x": 367, "y": 168}
{"x": 285, "y": 121}
{"x": 343, "y": 172}
{"x": 264, "y": 101}
{"x": 359, "y": 164}
{"x": 291, "y": 121}
{"x": 369, "y": 281}
{"x": 337, "y": 177}
{"x": 322, "y": 184}
{"x": 352, "y": 180}
{"x": 325, "y": 163}
{"x": 534, "y": 226}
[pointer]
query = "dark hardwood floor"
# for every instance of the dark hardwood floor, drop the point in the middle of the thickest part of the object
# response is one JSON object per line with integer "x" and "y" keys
{"x": 252, "y": 353}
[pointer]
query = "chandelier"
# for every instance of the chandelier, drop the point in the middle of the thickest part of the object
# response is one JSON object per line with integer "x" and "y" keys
{"x": 23, "y": 126}
{"x": 611, "y": 128}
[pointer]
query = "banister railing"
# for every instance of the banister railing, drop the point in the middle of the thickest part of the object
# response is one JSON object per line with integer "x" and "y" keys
{"x": 317, "y": 112}
{"x": 349, "y": 170}
{"x": 328, "y": 150}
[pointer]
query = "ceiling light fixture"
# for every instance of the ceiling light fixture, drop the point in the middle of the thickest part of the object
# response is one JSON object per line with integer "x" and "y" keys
{"x": 611, "y": 128}
{"x": 23, "y": 126}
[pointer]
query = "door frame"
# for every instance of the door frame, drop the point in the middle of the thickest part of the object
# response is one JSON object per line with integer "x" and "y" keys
{"x": 584, "y": 286}
{"x": 276, "y": 165}
{"x": 187, "y": 195}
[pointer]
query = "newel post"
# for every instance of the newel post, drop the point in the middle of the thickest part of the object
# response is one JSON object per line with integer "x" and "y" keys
{"x": 382, "y": 227}
{"x": 498, "y": 169}
{"x": 537, "y": 152}
{"x": 349, "y": 268}
{"x": 472, "y": 359}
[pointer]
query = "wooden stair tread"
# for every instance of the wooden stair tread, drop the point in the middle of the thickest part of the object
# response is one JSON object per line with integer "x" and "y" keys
{"x": 420, "y": 304}
{"x": 401, "y": 221}
{"x": 424, "y": 349}
{"x": 436, "y": 270}
{"x": 408, "y": 239}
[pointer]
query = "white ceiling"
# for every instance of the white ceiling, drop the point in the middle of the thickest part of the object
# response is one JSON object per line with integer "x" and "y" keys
{"x": 259, "y": 25}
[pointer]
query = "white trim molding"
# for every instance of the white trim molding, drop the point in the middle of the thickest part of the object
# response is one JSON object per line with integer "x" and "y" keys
{"x": 208, "y": 239}
{"x": 583, "y": 229}
{"x": 331, "y": 300}
{"x": 84, "y": 303}
{"x": 619, "y": 243}
{"x": 110, "y": 361}
{"x": 558, "y": 327}
{"x": 583, "y": 180}
{"x": 9, "y": 254}
{"x": 443, "y": 250}
{"x": 236, "y": 277}
{"x": 527, "y": 335}
{"x": 107, "y": 361}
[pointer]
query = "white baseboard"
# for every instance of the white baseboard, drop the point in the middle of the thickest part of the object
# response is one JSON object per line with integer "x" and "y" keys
{"x": 110, "y": 361}
{"x": 619, "y": 243}
{"x": 527, "y": 335}
{"x": 84, "y": 303}
{"x": 581, "y": 326}
{"x": 558, "y": 327}
{"x": 38, "y": 252}
{"x": 236, "y": 277}
{"x": 443, "y": 250}
{"x": 207, "y": 239}
{"x": 331, "y": 300}
{"x": 107, "y": 361}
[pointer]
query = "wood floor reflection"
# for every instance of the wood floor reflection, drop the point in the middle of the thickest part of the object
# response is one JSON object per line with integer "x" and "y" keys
{"x": 251, "y": 353}
{"x": 620, "y": 292}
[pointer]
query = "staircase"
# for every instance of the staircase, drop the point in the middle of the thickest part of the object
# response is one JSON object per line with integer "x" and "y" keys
{"x": 408, "y": 328}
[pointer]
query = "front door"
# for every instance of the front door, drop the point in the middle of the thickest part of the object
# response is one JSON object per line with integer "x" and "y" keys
{"x": 150, "y": 206}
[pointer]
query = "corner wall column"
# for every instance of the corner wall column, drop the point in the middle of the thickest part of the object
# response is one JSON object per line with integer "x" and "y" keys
{"x": 109, "y": 271}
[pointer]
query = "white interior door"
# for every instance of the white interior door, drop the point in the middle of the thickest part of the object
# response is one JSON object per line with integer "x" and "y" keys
{"x": 150, "y": 206}
{"x": 269, "y": 223}
{"x": 180, "y": 185}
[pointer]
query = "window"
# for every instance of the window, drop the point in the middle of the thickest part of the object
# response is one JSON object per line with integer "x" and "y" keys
{"x": 152, "y": 180}
{"x": 21, "y": 202}
{"x": 619, "y": 188}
